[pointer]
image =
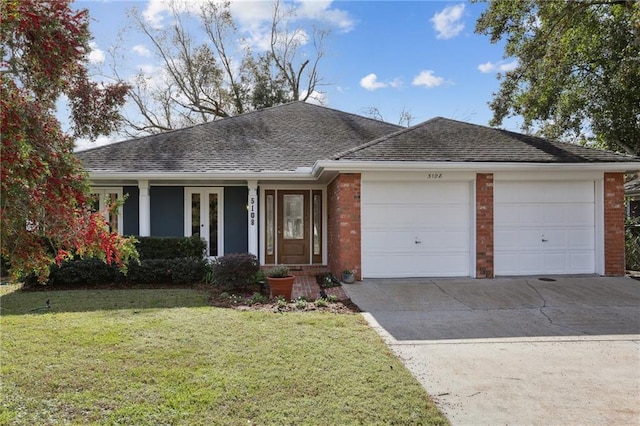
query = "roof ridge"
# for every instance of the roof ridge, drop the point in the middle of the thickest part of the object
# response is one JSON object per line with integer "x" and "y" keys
{"x": 381, "y": 139}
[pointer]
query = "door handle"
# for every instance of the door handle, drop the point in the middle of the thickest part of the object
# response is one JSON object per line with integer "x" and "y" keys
{"x": 417, "y": 241}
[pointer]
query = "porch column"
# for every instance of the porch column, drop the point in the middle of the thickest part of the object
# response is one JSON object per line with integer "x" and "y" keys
{"x": 144, "y": 219}
{"x": 252, "y": 207}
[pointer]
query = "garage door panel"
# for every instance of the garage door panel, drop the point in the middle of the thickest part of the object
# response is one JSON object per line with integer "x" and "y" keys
{"x": 395, "y": 193}
{"x": 416, "y": 229}
{"x": 405, "y": 241}
{"x": 544, "y": 227}
{"x": 403, "y": 216}
{"x": 554, "y": 192}
{"x": 413, "y": 265}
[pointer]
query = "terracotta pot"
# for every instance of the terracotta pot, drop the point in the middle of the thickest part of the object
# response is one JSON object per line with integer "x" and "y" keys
{"x": 281, "y": 286}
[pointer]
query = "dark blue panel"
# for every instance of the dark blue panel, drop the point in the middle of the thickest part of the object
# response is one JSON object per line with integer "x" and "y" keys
{"x": 235, "y": 219}
{"x": 167, "y": 211}
{"x": 131, "y": 211}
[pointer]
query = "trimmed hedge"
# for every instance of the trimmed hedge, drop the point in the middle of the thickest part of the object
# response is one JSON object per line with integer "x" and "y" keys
{"x": 170, "y": 247}
{"x": 184, "y": 264}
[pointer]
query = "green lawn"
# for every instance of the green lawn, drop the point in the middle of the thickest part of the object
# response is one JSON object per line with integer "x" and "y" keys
{"x": 166, "y": 357}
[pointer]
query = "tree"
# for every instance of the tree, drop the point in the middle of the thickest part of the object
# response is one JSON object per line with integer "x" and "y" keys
{"x": 221, "y": 76}
{"x": 578, "y": 74}
{"x": 44, "y": 192}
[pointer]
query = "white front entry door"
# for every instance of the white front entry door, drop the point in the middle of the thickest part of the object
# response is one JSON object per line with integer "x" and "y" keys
{"x": 204, "y": 217}
{"x": 544, "y": 228}
{"x": 416, "y": 229}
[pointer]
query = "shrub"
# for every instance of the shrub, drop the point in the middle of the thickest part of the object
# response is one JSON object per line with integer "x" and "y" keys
{"x": 83, "y": 272}
{"x": 170, "y": 247}
{"x": 235, "y": 271}
{"x": 187, "y": 270}
{"x": 632, "y": 243}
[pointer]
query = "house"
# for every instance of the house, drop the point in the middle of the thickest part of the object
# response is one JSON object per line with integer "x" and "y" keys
{"x": 310, "y": 186}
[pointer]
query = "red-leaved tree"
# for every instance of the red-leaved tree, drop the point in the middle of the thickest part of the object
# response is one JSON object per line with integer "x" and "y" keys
{"x": 44, "y": 210}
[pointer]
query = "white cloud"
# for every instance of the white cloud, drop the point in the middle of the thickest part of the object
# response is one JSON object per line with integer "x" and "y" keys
{"x": 321, "y": 10}
{"x": 141, "y": 50}
{"x": 502, "y": 66}
{"x": 83, "y": 144}
{"x": 316, "y": 98}
{"x": 427, "y": 79}
{"x": 252, "y": 13}
{"x": 447, "y": 22}
{"x": 370, "y": 82}
{"x": 96, "y": 56}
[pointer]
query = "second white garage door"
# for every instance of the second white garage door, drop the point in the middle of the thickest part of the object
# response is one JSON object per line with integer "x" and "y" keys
{"x": 415, "y": 229}
{"x": 544, "y": 228}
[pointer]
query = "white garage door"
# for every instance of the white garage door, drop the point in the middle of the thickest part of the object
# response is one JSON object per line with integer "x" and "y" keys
{"x": 415, "y": 229}
{"x": 544, "y": 228}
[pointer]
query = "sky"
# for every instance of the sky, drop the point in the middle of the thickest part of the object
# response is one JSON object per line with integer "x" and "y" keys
{"x": 421, "y": 57}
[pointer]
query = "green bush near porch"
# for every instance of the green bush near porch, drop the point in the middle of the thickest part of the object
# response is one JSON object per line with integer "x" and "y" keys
{"x": 162, "y": 261}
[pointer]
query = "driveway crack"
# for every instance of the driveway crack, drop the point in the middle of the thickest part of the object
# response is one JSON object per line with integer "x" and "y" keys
{"x": 544, "y": 305}
{"x": 452, "y": 296}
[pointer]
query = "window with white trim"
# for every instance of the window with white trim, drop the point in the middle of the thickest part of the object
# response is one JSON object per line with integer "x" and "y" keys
{"x": 100, "y": 198}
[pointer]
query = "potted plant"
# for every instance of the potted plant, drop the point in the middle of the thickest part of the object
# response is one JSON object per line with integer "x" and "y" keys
{"x": 348, "y": 276}
{"x": 280, "y": 281}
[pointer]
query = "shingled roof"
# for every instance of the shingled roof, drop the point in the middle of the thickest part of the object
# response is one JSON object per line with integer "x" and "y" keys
{"x": 281, "y": 138}
{"x": 442, "y": 139}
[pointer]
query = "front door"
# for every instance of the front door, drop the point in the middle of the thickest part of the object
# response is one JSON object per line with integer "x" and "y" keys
{"x": 293, "y": 227}
{"x": 203, "y": 208}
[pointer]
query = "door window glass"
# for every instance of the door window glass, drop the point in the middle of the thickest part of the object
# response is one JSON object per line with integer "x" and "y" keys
{"x": 293, "y": 216}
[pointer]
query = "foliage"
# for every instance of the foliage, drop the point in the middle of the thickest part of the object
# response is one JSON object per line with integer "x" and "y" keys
{"x": 170, "y": 247}
{"x": 278, "y": 272}
{"x": 43, "y": 201}
{"x": 186, "y": 270}
{"x": 632, "y": 244}
{"x": 578, "y": 73}
{"x": 220, "y": 76}
{"x": 91, "y": 272}
{"x": 236, "y": 270}
{"x": 326, "y": 280}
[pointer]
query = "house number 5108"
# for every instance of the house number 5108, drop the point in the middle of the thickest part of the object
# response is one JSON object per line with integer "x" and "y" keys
{"x": 434, "y": 175}
{"x": 252, "y": 210}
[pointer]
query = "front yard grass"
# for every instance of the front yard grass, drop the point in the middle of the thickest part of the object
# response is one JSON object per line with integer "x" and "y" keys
{"x": 164, "y": 356}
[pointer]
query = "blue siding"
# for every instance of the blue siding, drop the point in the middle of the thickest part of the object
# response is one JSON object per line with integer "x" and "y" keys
{"x": 235, "y": 219}
{"x": 131, "y": 211}
{"x": 167, "y": 211}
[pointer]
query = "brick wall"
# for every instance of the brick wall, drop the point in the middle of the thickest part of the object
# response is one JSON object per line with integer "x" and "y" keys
{"x": 343, "y": 197}
{"x": 614, "y": 212}
{"x": 484, "y": 225}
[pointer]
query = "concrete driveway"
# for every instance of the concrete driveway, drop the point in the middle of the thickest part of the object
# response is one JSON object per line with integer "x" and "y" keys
{"x": 556, "y": 350}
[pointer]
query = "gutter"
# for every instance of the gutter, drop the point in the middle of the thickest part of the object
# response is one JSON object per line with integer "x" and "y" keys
{"x": 361, "y": 166}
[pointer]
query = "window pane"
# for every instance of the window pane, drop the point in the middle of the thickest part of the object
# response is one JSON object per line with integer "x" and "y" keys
{"x": 195, "y": 214}
{"x": 94, "y": 202}
{"x": 213, "y": 224}
{"x": 317, "y": 223}
{"x": 293, "y": 216}
{"x": 270, "y": 224}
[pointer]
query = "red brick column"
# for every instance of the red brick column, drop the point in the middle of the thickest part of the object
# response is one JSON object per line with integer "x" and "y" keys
{"x": 343, "y": 224}
{"x": 614, "y": 260}
{"x": 484, "y": 225}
